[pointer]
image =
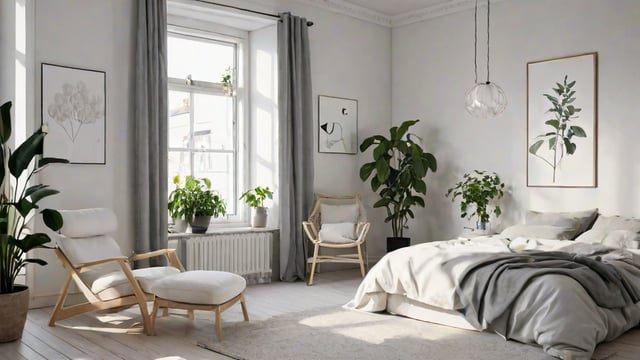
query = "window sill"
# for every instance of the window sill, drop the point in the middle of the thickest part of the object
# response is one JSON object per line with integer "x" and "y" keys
{"x": 220, "y": 230}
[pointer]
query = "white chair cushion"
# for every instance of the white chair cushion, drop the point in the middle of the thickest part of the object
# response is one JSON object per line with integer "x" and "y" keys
{"x": 115, "y": 284}
{"x": 86, "y": 223}
{"x": 200, "y": 287}
{"x": 84, "y": 250}
{"x": 338, "y": 233}
{"x": 333, "y": 214}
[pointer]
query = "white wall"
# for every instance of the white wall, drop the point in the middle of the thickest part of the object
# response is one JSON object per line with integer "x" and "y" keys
{"x": 98, "y": 35}
{"x": 263, "y": 63}
{"x": 433, "y": 68}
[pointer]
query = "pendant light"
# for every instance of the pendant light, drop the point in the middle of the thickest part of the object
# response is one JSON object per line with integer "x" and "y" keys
{"x": 486, "y": 99}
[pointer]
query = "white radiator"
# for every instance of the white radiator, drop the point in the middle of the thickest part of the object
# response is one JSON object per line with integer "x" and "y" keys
{"x": 246, "y": 254}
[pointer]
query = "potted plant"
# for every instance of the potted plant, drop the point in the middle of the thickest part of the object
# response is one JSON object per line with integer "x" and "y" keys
{"x": 18, "y": 205}
{"x": 478, "y": 194}
{"x": 255, "y": 199}
{"x": 398, "y": 168}
{"x": 227, "y": 81}
{"x": 202, "y": 203}
{"x": 177, "y": 206}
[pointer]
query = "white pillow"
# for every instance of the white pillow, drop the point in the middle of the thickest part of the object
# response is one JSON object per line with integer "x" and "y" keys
{"x": 617, "y": 223}
{"x": 613, "y": 238}
{"x": 539, "y": 231}
{"x": 333, "y": 214}
{"x": 339, "y": 233}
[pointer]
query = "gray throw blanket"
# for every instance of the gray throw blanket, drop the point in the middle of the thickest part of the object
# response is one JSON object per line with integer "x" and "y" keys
{"x": 489, "y": 288}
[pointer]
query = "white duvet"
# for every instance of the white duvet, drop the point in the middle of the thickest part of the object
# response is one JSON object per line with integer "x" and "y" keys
{"x": 554, "y": 310}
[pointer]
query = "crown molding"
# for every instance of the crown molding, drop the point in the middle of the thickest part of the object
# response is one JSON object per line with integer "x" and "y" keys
{"x": 430, "y": 12}
{"x": 352, "y": 10}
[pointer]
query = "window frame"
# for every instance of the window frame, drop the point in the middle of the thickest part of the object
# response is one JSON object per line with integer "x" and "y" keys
{"x": 240, "y": 110}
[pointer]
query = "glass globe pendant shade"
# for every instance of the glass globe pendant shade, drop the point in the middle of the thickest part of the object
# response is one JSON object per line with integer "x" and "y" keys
{"x": 485, "y": 100}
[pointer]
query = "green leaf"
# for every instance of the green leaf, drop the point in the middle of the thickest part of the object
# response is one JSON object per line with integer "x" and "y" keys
{"x": 380, "y": 151}
{"x": 382, "y": 203}
{"x": 571, "y": 147}
{"x": 24, "y": 207}
{"x": 49, "y": 160}
{"x": 36, "y": 261}
{"x": 420, "y": 187}
{"x": 366, "y": 170}
{"x": 382, "y": 169}
{"x": 552, "y": 143}
{"x": 53, "y": 219}
{"x": 21, "y": 158}
{"x": 404, "y": 127}
{"x": 5, "y": 122}
{"x": 578, "y": 131}
{"x": 432, "y": 163}
{"x": 553, "y": 122}
{"x": 42, "y": 193}
{"x": 534, "y": 148}
{"x": 32, "y": 241}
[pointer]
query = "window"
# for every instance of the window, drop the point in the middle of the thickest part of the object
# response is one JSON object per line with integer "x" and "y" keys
{"x": 203, "y": 122}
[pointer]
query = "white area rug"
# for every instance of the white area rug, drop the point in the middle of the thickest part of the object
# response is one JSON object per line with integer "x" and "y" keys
{"x": 336, "y": 333}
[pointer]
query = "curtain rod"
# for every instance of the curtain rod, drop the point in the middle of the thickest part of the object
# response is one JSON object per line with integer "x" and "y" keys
{"x": 309, "y": 23}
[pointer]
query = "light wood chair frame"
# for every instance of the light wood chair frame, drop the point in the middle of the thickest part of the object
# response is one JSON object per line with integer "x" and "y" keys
{"x": 311, "y": 228}
{"x": 217, "y": 308}
{"x": 93, "y": 303}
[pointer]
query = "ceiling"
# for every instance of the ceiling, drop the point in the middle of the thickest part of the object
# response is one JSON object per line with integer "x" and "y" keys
{"x": 397, "y": 7}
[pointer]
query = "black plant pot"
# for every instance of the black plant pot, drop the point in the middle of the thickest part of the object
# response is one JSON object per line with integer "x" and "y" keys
{"x": 394, "y": 243}
{"x": 200, "y": 224}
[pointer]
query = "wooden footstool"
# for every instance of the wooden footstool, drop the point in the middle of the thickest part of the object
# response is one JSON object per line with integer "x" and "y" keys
{"x": 200, "y": 290}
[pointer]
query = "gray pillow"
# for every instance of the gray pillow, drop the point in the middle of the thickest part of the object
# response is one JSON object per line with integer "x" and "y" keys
{"x": 579, "y": 221}
{"x": 538, "y": 231}
{"x": 613, "y": 238}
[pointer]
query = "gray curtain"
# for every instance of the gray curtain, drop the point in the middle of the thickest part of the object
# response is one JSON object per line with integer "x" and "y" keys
{"x": 296, "y": 143}
{"x": 151, "y": 129}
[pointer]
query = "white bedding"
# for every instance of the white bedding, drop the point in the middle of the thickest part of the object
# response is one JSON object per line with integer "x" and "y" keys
{"x": 554, "y": 311}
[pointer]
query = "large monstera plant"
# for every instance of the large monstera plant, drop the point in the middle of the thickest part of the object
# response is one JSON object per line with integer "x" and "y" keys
{"x": 397, "y": 171}
{"x": 19, "y": 199}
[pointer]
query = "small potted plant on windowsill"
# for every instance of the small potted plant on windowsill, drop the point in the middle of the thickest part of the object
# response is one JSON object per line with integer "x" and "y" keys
{"x": 478, "y": 194}
{"x": 255, "y": 199}
{"x": 227, "y": 82}
{"x": 202, "y": 204}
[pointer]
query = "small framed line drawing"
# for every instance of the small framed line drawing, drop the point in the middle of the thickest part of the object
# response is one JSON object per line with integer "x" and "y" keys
{"x": 73, "y": 111}
{"x": 337, "y": 125}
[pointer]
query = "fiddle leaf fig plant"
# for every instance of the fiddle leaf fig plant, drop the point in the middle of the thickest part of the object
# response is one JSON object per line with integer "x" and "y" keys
{"x": 476, "y": 192}
{"x": 255, "y": 197}
{"x": 19, "y": 199}
{"x": 397, "y": 171}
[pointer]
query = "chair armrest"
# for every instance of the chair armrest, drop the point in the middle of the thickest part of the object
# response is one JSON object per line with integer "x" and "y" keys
{"x": 170, "y": 254}
{"x": 100, "y": 262}
{"x": 361, "y": 231}
{"x": 311, "y": 231}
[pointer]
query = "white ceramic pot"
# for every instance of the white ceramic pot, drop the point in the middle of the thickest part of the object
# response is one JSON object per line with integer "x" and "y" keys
{"x": 259, "y": 217}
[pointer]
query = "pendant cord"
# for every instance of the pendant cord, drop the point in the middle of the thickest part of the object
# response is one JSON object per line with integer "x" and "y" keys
{"x": 488, "y": 11}
{"x": 475, "y": 43}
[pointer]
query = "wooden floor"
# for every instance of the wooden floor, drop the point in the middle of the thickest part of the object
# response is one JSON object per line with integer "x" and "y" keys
{"x": 104, "y": 336}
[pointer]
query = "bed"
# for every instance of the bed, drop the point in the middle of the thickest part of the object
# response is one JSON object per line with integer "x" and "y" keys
{"x": 530, "y": 283}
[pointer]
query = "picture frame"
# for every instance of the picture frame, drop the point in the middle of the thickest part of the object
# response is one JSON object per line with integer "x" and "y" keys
{"x": 562, "y": 110}
{"x": 73, "y": 113}
{"x": 337, "y": 125}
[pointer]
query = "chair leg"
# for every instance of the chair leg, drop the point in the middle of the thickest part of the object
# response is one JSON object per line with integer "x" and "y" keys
{"x": 165, "y": 311}
{"x": 61, "y": 300}
{"x": 313, "y": 264}
{"x": 245, "y": 313}
{"x": 218, "y": 324}
{"x": 361, "y": 261}
{"x": 154, "y": 314}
